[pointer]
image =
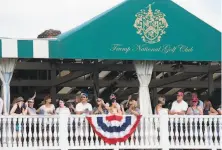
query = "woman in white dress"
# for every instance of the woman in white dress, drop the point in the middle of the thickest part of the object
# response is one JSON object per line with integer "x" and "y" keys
{"x": 47, "y": 108}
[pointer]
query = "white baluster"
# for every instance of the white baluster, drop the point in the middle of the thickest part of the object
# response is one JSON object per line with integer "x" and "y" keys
{"x": 4, "y": 135}
{"x": 34, "y": 134}
{"x": 9, "y": 130}
{"x": 142, "y": 132}
{"x": 172, "y": 142}
{"x": 191, "y": 131}
{"x": 196, "y": 131}
{"x": 40, "y": 134}
{"x": 50, "y": 131}
{"x": 71, "y": 130}
{"x": 176, "y": 131}
{"x": 77, "y": 131}
{"x": 25, "y": 121}
{"x": 14, "y": 133}
{"x": 215, "y": 131}
{"x": 56, "y": 135}
{"x": 87, "y": 133}
{"x": 201, "y": 131}
{"x": 151, "y": 130}
{"x": 138, "y": 130}
{"x": 45, "y": 134}
{"x": 210, "y": 132}
{"x": 186, "y": 141}
{"x": 29, "y": 124}
{"x": 19, "y": 132}
{"x": 156, "y": 121}
{"x": 82, "y": 128}
{"x": 181, "y": 142}
{"x": 136, "y": 137}
{"x": 220, "y": 131}
{"x": 206, "y": 131}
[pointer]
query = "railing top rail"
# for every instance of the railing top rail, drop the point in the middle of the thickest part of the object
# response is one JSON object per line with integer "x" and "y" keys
{"x": 195, "y": 116}
{"x": 29, "y": 116}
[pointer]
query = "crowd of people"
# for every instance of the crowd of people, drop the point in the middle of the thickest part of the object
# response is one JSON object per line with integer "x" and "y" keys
{"x": 194, "y": 106}
{"x": 81, "y": 106}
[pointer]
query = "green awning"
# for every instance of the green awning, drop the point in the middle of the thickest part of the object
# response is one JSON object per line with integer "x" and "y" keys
{"x": 144, "y": 30}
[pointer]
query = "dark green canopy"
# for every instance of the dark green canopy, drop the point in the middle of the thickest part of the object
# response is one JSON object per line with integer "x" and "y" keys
{"x": 141, "y": 30}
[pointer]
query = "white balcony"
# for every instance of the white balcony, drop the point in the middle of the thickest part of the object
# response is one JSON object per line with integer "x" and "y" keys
{"x": 73, "y": 132}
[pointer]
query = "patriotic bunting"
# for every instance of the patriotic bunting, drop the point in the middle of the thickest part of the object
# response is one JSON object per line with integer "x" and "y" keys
{"x": 113, "y": 129}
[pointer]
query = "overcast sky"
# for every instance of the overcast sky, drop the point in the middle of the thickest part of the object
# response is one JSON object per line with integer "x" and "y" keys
{"x": 28, "y": 18}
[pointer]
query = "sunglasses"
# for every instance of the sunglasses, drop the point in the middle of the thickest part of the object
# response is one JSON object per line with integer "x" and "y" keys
{"x": 83, "y": 97}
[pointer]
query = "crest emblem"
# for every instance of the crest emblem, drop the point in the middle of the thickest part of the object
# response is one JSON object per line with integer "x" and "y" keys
{"x": 150, "y": 25}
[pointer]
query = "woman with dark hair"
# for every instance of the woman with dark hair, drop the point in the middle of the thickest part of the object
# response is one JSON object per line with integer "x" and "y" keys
{"x": 47, "y": 108}
{"x": 101, "y": 107}
{"x": 62, "y": 109}
{"x": 114, "y": 109}
{"x": 194, "y": 109}
{"x": 18, "y": 107}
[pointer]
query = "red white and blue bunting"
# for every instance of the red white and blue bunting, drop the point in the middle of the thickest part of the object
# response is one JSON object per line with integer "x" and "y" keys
{"x": 113, "y": 129}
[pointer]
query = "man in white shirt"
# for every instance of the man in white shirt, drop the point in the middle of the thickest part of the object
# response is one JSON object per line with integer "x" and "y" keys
{"x": 1, "y": 106}
{"x": 179, "y": 107}
{"x": 84, "y": 107}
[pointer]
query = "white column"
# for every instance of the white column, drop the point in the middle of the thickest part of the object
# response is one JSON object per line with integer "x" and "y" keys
{"x": 63, "y": 131}
{"x": 164, "y": 132}
{"x": 144, "y": 71}
{"x": 7, "y": 66}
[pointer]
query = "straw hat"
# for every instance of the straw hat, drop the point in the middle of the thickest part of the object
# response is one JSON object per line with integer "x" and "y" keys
{"x": 18, "y": 99}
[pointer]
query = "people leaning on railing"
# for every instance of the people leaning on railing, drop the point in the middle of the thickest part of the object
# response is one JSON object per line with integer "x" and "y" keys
{"x": 179, "y": 107}
{"x": 194, "y": 109}
{"x": 208, "y": 109}
{"x": 62, "y": 109}
{"x": 101, "y": 107}
{"x": 18, "y": 107}
{"x": 80, "y": 106}
{"x": 83, "y": 107}
{"x": 133, "y": 106}
{"x": 159, "y": 110}
{"x": 47, "y": 108}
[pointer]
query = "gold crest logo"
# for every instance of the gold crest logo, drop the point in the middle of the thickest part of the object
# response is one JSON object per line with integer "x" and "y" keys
{"x": 151, "y": 25}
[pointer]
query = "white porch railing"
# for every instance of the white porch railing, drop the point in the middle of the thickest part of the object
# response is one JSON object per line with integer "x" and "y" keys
{"x": 73, "y": 132}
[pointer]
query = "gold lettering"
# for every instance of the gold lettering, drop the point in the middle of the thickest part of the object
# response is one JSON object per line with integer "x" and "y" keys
{"x": 118, "y": 47}
{"x": 145, "y": 48}
{"x": 184, "y": 48}
{"x": 168, "y": 48}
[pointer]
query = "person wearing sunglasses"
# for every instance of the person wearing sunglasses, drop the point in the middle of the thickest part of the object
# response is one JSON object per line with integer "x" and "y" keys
{"x": 101, "y": 107}
{"x": 132, "y": 106}
{"x": 114, "y": 108}
{"x": 83, "y": 108}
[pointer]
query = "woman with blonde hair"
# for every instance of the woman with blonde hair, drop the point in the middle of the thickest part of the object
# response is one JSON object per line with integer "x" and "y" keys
{"x": 159, "y": 110}
{"x": 208, "y": 109}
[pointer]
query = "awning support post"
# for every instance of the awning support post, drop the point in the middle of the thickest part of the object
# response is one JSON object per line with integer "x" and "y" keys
{"x": 53, "y": 88}
{"x": 210, "y": 81}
